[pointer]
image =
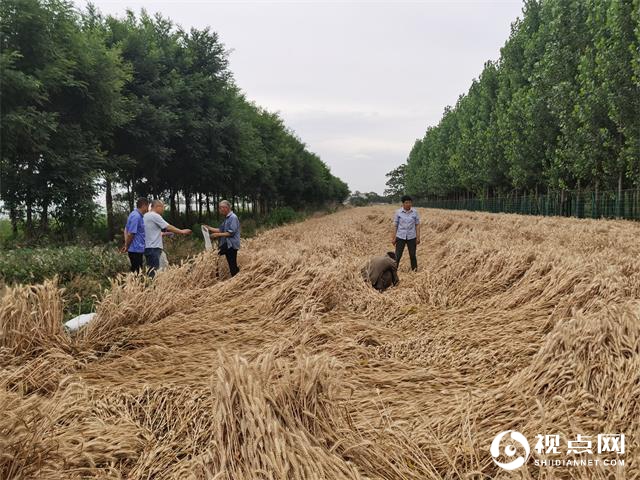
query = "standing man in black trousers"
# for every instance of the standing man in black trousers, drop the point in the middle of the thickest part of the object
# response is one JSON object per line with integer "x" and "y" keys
{"x": 134, "y": 235}
{"x": 406, "y": 231}
{"x": 228, "y": 236}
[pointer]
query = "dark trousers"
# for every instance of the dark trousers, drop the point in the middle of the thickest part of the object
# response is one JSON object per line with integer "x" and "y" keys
{"x": 411, "y": 244}
{"x": 136, "y": 259}
{"x": 152, "y": 256}
{"x": 232, "y": 259}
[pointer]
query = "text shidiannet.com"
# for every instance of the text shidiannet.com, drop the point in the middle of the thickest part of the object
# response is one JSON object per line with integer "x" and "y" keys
{"x": 591, "y": 462}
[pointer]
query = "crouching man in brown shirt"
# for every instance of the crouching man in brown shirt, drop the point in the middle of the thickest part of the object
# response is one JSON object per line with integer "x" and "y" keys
{"x": 381, "y": 271}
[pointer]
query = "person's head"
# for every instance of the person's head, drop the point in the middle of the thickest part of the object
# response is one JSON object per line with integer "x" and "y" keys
{"x": 407, "y": 202}
{"x": 157, "y": 206}
{"x": 391, "y": 255}
{"x": 224, "y": 207}
{"x": 143, "y": 205}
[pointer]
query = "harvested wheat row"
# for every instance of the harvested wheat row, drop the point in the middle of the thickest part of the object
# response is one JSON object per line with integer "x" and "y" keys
{"x": 296, "y": 369}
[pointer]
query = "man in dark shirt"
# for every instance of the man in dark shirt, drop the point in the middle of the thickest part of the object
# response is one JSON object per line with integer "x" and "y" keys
{"x": 381, "y": 271}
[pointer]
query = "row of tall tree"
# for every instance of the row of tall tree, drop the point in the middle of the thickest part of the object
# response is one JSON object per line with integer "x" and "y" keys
{"x": 560, "y": 110}
{"x": 93, "y": 105}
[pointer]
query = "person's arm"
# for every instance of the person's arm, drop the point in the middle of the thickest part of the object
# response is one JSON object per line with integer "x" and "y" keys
{"x": 183, "y": 231}
{"x": 128, "y": 239}
{"x": 394, "y": 232}
{"x": 211, "y": 229}
{"x": 234, "y": 225}
{"x": 392, "y": 266}
{"x": 418, "y": 234}
{"x": 394, "y": 274}
{"x": 131, "y": 226}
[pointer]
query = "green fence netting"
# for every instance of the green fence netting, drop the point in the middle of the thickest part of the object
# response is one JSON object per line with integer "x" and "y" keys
{"x": 608, "y": 204}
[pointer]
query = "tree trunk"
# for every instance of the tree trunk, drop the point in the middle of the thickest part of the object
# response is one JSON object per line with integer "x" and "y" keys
{"x": 29, "y": 224}
{"x": 44, "y": 217}
{"x": 29, "y": 205}
{"x": 130, "y": 194}
{"x": 578, "y": 200}
{"x": 13, "y": 215}
{"x": 208, "y": 206}
{"x": 187, "y": 207}
{"x": 109, "y": 204}
{"x": 172, "y": 205}
{"x": 596, "y": 207}
{"x": 620, "y": 200}
{"x": 199, "y": 207}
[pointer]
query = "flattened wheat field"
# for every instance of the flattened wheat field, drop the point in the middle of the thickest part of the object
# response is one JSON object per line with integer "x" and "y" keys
{"x": 296, "y": 369}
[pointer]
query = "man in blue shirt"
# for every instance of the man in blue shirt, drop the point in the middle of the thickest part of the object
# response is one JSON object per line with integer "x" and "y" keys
{"x": 228, "y": 236}
{"x": 406, "y": 231}
{"x": 134, "y": 234}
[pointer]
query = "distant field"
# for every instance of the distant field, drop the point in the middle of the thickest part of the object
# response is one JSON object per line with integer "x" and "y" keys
{"x": 296, "y": 369}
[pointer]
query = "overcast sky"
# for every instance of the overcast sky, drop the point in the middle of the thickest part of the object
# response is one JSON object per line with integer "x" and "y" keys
{"x": 358, "y": 81}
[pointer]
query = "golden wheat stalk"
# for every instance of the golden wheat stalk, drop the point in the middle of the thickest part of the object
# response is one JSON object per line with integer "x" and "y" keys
{"x": 296, "y": 369}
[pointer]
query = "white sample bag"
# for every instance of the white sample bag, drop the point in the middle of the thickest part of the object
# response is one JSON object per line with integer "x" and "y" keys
{"x": 164, "y": 262}
{"x": 207, "y": 238}
{"x": 79, "y": 321}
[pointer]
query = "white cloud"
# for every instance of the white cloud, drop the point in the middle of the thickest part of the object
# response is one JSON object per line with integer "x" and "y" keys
{"x": 358, "y": 145}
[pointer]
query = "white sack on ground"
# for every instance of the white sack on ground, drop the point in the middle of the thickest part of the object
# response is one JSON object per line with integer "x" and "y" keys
{"x": 79, "y": 321}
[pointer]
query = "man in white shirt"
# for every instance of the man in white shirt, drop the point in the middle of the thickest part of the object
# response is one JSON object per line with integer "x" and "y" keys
{"x": 154, "y": 224}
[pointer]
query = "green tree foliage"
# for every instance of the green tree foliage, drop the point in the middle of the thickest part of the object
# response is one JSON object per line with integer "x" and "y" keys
{"x": 362, "y": 199}
{"x": 94, "y": 104}
{"x": 60, "y": 95}
{"x": 560, "y": 109}
{"x": 395, "y": 183}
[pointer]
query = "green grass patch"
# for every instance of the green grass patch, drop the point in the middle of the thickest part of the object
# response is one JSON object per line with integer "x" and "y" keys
{"x": 84, "y": 272}
{"x": 33, "y": 265}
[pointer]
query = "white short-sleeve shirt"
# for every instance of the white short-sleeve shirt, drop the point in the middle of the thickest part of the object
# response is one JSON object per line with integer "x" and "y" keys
{"x": 153, "y": 225}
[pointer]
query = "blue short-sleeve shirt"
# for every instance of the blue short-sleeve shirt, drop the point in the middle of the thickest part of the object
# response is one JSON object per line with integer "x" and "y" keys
{"x": 135, "y": 226}
{"x": 405, "y": 222}
{"x": 231, "y": 224}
